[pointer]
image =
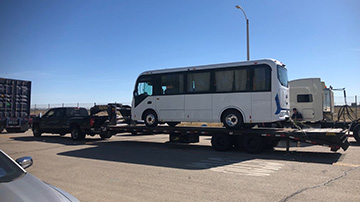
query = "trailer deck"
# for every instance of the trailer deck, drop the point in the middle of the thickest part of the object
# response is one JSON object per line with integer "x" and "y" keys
{"x": 253, "y": 140}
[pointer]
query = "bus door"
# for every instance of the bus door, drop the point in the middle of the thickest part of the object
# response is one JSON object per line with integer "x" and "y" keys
{"x": 170, "y": 101}
{"x": 143, "y": 98}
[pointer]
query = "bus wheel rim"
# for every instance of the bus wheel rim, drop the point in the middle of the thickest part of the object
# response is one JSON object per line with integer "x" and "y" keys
{"x": 231, "y": 120}
{"x": 150, "y": 119}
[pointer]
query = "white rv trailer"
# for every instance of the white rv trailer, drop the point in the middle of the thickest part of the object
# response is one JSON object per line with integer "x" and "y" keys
{"x": 312, "y": 98}
{"x": 233, "y": 93}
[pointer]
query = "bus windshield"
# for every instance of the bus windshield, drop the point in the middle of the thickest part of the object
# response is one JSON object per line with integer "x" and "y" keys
{"x": 282, "y": 75}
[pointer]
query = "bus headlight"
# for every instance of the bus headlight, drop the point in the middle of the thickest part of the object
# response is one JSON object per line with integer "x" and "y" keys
{"x": 284, "y": 114}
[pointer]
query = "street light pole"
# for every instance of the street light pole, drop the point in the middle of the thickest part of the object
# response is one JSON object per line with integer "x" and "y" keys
{"x": 247, "y": 32}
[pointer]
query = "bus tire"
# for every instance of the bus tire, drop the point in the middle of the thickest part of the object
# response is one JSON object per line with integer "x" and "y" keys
{"x": 232, "y": 119}
{"x": 356, "y": 133}
{"x": 253, "y": 144}
{"x": 77, "y": 134}
{"x": 150, "y": 118}
{"x": 221, "y": 142}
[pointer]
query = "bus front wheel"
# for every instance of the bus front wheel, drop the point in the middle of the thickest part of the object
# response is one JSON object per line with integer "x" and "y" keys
{"x": 232, "y": 119}
{"x": 150, "y": 119}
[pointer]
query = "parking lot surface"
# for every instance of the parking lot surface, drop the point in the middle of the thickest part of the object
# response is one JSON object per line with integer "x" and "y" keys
{"x": 146, "y": 168}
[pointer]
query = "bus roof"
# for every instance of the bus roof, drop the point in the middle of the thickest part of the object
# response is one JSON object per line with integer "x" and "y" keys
{"x": 213, "y": 66}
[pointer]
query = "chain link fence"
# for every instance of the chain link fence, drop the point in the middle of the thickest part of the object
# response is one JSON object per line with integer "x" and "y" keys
{"x": 42, "y": 108}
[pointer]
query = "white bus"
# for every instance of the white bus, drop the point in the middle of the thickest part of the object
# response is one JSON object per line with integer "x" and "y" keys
{"x": 235, "y": 94}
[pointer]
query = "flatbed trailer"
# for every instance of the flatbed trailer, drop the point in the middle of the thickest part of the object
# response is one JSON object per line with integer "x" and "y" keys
{"x": 351, "y": 126}
{"x": 252, "y": 140}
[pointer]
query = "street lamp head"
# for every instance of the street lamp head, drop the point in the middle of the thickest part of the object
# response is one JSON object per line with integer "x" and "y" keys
{"x": 238, "y": 7}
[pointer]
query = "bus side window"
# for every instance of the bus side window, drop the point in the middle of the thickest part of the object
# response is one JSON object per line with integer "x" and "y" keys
{"x": 172, "y": 84}
{"x": 198, "y": 82}
{"x": 145, "y": 87}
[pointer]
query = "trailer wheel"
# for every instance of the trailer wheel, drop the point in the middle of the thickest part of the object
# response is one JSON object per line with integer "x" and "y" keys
{"x": 232, "y": 119}
{"x": 77, "y": 134}
{"x": 150, "y": 119}
{"x": 36, "y": 131}
{"x": 221, "y": 142}
{"x": 356, "y": 133}
{"x": 253, "y": 144}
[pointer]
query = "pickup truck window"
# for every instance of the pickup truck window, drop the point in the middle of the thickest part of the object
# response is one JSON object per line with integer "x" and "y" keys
{"x": 49, "y": 113}
{"x": 77, "y": 112}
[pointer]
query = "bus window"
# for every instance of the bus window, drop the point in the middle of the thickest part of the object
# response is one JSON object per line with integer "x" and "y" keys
{"x": 144, "y": 88}
{"x": 224, "y": 80}
{"x": 282, "y": 75}
{"x": 172, "y": 84}
{"x": 242, "y": 80}
{"x": 262, "y": 79}
{"x": 198, "y": 82}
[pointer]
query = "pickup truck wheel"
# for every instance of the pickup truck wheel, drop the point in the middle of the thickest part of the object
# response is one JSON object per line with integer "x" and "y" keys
{"x": 356, "y": 133}
{"x": 106, "y": 135}
{"x": 77, "y": 134}
{"x": 1, "y": 128}
{"x": 36, "y": 131}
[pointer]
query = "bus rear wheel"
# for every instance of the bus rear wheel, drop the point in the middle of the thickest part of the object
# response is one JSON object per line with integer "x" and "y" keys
{"x": 232, "y": 119}
{"x": 150, "y": 119}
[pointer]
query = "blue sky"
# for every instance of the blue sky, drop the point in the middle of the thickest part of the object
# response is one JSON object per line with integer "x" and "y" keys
{"x": 77, "y": 51}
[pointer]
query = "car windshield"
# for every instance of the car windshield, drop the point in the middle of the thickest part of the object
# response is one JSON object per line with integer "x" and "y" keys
{"x": 9, "y": 171}
{"x": 282, "y": 75}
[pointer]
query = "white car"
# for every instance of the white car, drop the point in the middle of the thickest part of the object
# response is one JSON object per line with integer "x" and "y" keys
{"x": 18, "y": 185}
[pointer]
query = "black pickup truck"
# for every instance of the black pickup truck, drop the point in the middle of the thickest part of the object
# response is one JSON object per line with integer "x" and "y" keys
{"x": 76, "y": 121}
{"x": 79, "y": 123}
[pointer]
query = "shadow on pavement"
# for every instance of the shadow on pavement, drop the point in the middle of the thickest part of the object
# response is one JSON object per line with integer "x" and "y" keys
{"x": 181, "y": 156}
{"x": 65, "y": 140}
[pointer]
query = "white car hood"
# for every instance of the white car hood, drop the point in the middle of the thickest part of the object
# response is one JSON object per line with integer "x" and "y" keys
{"x": 28, "y": 188}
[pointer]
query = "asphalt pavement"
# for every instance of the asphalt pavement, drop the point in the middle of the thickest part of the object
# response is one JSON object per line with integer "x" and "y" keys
{"x": 146, "y": 168}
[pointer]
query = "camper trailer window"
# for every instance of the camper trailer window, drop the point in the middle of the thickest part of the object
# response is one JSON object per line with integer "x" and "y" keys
{"x": 304, "y": 98}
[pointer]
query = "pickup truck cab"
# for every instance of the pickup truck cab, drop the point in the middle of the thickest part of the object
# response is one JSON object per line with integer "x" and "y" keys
{"x": 63, "y": 120}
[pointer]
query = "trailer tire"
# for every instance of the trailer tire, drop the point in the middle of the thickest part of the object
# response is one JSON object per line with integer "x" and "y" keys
{"x": 221, "y": 142}
{"x": 77, "y": 133}
{"x": 356, "y": 133}
{"x": 150, "y": 118}
{"x": 253, "y": 144}
{"x": 36, "y": 131}
{"x": 232, "y": 119}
